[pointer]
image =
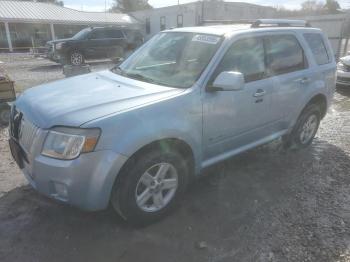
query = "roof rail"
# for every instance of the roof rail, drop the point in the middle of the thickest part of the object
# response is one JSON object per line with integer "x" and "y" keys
{"x": 229, "y": 22}
{"x": 263, "y": 22}
{"x": 280, "y": 23}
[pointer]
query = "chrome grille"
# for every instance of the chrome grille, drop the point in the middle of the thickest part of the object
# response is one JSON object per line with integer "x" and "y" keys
{"x": 27, "y": 134}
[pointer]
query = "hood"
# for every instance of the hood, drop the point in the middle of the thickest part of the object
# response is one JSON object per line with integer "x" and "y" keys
{"x": 345, "y": 60}
{"x": 77, "y": 100}
{"x": 60, "y": 41}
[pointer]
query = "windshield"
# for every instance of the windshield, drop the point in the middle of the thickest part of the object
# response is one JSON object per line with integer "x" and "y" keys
{"x": 172, "y": 59}
{"x": 82, "y": 34}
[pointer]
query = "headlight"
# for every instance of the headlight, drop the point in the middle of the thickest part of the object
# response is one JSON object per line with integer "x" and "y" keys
{"x": 59, "y": 46}
{"x": 68, "y": 143}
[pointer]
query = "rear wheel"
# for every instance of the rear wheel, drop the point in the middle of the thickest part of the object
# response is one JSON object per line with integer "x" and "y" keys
{"x": 305, "y": 129}
{"x": 150, "y": 187}
{"x": 4, "y": 115}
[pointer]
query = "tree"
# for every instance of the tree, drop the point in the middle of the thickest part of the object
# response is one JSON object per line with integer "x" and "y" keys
{"x": 311, "y": 6}
{"x": 332, "y": 5}
{"x": 127, "y": 6}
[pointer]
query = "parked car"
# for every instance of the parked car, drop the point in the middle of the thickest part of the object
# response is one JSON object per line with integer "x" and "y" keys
{"x": 134, "y": 136}
{"x": 343, "y": 71}
{"x": 94, "y": 43}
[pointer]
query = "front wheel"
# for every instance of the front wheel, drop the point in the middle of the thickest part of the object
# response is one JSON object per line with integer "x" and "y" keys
{"x": 305, "y": 129}
{"x": 76, "y": 58}
{"x": 150, "y": 187}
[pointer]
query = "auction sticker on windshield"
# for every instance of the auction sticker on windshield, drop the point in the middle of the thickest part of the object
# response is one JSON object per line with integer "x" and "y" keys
{"x": 208, "y": 39}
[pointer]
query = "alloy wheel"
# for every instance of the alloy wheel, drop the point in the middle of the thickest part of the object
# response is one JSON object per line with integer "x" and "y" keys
{"x": 308, "y": 129}
{"x": 156, "y": 187}
{"x": 76, "y": 58}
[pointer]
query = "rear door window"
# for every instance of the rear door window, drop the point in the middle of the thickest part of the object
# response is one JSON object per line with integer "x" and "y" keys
{"x": 318, "y": 48}
{"x": 284, "y": 54}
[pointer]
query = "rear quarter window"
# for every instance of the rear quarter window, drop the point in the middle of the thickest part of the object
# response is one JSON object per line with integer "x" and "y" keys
{"x": 318, "y": 48}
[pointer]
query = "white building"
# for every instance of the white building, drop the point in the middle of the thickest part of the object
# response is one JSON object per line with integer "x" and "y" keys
{"x": 197, "y": 13}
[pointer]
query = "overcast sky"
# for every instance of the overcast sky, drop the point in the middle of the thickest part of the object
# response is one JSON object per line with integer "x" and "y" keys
{"x": 99, "y": 5}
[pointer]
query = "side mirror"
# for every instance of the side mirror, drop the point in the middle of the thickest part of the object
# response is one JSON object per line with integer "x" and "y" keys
{"x": 228, "y": 81}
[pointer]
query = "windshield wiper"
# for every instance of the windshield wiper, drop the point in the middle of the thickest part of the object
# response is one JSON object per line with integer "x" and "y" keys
{"x": 118, "y": 70}
{"x": 140, "y": 77}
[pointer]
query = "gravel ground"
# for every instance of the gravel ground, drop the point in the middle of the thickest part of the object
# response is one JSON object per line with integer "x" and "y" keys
{"x": 28, "y": 71}
{"x": 264, "y": 205}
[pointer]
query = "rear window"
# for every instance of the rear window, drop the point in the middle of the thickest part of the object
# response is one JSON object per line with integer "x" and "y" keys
{"x": 318, "y": 48}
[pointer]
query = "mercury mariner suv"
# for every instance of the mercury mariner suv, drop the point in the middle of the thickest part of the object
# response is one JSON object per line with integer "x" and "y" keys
{"x": 135, "y": 135}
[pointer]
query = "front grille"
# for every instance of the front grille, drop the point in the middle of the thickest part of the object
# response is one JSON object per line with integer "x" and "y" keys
{"x": 27, "y": 134}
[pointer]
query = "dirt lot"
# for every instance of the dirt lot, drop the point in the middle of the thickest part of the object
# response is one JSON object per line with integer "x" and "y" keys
{"x": 265, "y": 205}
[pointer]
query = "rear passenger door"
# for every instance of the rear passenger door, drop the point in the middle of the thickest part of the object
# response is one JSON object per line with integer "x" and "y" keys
{"x": 323, "y": 60}
{"x": 287, "y": 66}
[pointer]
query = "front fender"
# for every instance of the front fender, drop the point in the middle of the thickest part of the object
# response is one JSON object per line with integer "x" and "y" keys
{"x": 179, "y": 117}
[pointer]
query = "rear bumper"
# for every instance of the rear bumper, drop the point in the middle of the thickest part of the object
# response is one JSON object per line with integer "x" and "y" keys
{"x": 85, "y": 182}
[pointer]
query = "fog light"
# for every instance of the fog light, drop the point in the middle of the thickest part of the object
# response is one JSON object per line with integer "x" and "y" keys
{"x": 61, "y": 191}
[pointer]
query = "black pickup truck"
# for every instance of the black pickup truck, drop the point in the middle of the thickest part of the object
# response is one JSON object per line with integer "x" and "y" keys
{"x": 93, "y": 43}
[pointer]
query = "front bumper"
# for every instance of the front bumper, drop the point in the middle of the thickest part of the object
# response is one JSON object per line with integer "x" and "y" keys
{"x": 53, "y": 56}
{"x": 343, "y": 78}
{"x": 85, "y": 182}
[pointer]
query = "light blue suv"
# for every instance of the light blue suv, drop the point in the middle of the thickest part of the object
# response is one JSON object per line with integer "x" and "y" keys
{"x": 134, "y": 136}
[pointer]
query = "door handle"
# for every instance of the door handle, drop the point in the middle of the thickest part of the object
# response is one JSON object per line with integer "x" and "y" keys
{"x": 259, "y": 93}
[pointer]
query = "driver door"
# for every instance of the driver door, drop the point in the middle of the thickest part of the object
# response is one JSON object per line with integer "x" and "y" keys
{"x": 235, "y": 119}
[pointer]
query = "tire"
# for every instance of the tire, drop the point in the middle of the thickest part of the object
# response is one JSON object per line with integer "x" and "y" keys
{"x": 76, "y": 58}
{"x": 132, "y": 186}
{"x": 5, "y": 114}
{"x": 305, "y": 128}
